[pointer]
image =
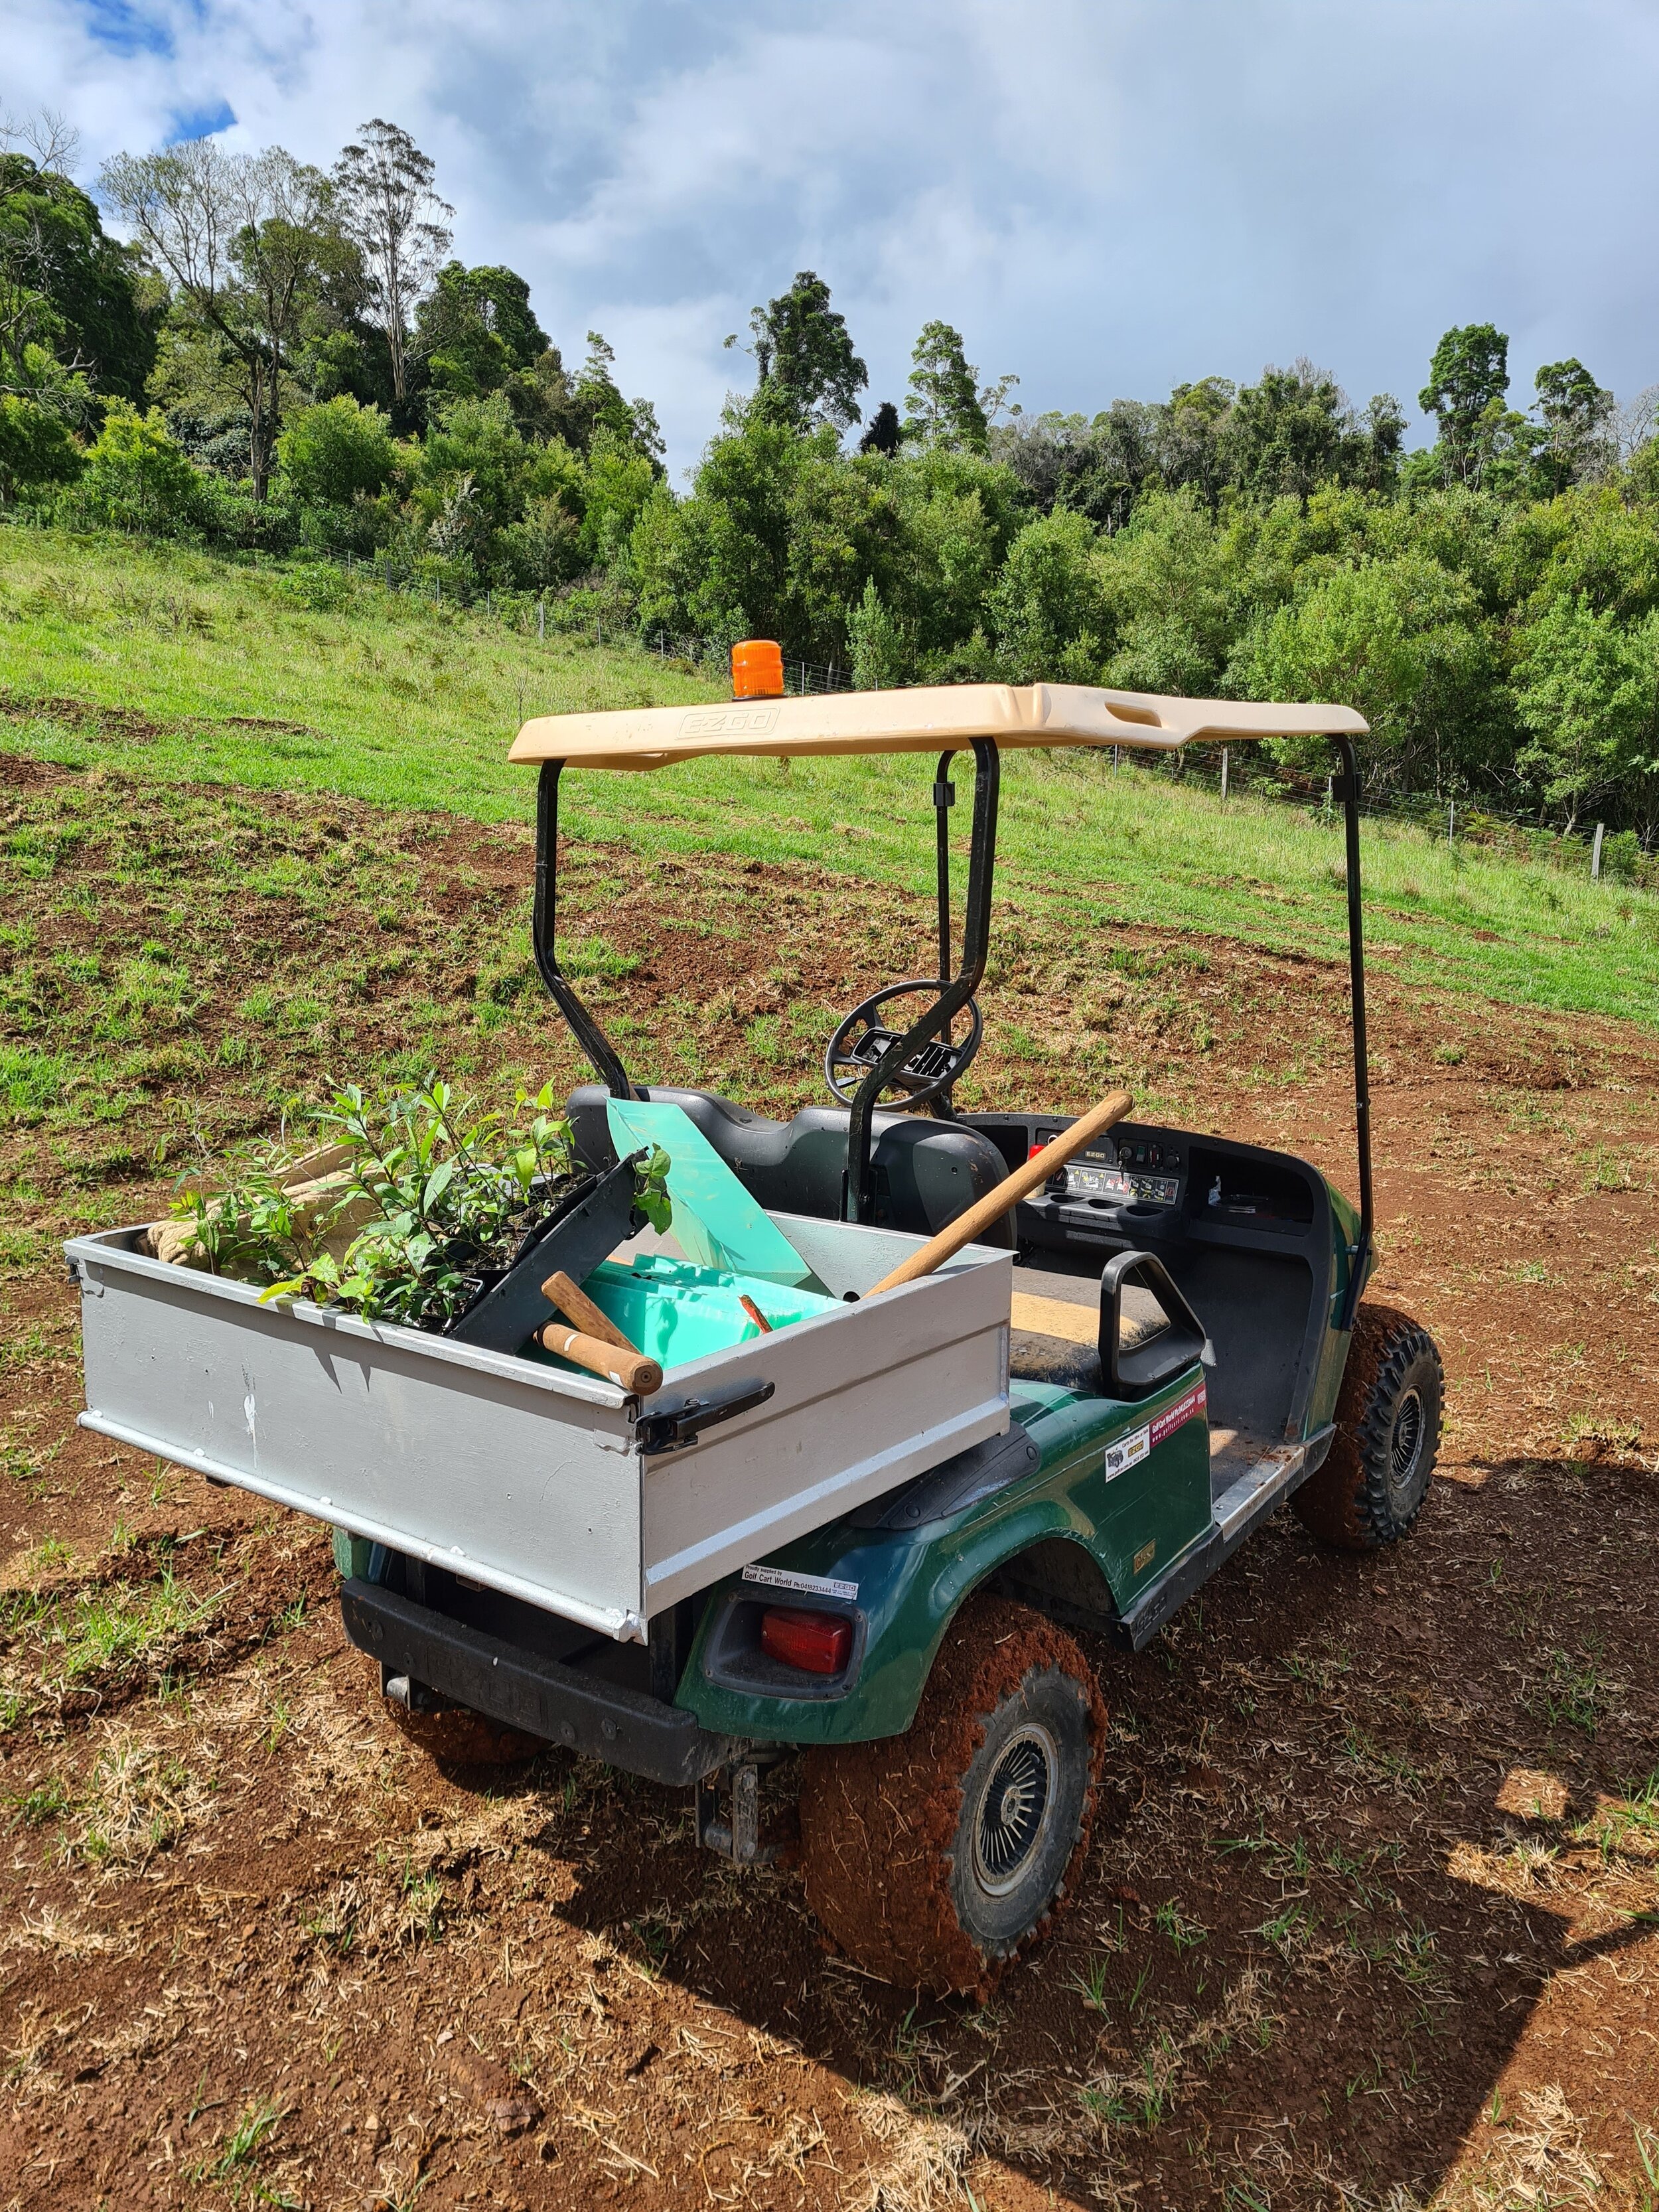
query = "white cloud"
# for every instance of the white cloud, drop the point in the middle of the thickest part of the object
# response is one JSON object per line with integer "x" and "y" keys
{"x": 1106, "y": 194}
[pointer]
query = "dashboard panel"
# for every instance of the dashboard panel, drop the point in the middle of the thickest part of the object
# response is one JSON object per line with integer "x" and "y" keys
{"x": 1180, "y": 1187}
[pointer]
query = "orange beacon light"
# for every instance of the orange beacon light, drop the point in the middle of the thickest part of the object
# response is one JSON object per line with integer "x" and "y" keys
{"x": 757, "y": 669}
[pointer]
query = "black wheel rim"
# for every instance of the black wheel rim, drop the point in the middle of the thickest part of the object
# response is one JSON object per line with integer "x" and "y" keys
{"x": 1406, "y": 1446}
{"x": 1015, "y": 1810}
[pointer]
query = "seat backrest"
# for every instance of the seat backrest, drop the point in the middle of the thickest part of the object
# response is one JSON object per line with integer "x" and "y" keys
{"x": 925, "y": 1172}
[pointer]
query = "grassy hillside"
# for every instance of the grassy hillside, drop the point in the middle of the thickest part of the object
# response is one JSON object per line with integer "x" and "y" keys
{"x": 177, "y": 666}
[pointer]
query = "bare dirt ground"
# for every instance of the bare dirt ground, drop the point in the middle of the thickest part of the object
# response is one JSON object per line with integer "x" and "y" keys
{"x": 1371, "y": 1914}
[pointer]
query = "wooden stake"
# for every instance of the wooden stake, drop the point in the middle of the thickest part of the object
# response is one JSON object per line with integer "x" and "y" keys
{"x": 574, "y": 1303}
{"x": 1008, "y": 1192}
{"x": 630, "y": 1370}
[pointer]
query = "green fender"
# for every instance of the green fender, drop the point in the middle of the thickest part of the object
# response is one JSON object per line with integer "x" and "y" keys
{"x": 1133, "y": 1524}
{"x": 1333, "y": 1356}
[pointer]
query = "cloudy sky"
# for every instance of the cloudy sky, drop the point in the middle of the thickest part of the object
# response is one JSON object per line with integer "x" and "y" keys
{"x": 1105, "y": 196}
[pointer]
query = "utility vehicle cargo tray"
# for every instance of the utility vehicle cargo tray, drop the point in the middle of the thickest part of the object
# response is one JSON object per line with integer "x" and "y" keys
{"x": 552, "y": 1486}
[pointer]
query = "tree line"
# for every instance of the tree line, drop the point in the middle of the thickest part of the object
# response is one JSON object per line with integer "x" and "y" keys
{"x": 278, "y": 357}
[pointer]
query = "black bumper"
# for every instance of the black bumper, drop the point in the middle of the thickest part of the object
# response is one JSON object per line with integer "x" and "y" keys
{"x": 543, "y": 1698}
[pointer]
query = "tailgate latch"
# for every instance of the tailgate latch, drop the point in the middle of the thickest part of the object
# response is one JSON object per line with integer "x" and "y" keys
{"x": 682, "y": 1425}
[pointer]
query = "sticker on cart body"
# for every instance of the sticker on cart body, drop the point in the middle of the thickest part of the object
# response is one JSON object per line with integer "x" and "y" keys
{"x": 1188, "y": 1408}
{"x": 808, "y": 1585}
{"x": 1127, "y": 1451}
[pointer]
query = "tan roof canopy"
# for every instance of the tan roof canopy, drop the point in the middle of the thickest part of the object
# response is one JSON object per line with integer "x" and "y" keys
{"x": 922, "y": 720}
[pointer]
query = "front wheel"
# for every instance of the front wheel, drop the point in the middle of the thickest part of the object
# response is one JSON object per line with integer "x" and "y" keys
{"x": 1371, "y": 1489}
{"x": 932, "y": 1857}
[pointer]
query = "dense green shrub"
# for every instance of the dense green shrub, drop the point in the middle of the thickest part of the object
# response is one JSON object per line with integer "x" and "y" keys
{"x": 330, "y": 455}
{"x": 136, "y": 478}
{"x": 36, "y": 450}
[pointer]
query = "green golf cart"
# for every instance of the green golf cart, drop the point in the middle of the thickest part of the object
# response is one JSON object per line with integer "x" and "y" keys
{"x": 1187, "y": 1351}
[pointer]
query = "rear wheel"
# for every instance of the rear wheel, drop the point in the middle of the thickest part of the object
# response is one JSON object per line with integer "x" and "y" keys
{"x": 931, "y": 1858}
{"x": 1371, "y": 1489}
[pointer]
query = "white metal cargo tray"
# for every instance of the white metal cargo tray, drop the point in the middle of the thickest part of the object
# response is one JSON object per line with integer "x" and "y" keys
{"x": 553, "y": 1487}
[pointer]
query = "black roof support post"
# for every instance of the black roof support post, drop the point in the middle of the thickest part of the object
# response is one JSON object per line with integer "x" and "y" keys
{"x": 1349, "y": 786}
{"x": 975, "y": 946}
{"x": 586, "y": 1031}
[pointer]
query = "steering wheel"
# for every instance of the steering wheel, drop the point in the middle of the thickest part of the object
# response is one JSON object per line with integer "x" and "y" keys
{"x": 861, "y": 1039}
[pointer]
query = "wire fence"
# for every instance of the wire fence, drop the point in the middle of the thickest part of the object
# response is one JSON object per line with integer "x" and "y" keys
{"x": 1462, "y": 819}
{"x": 801, "y": 678}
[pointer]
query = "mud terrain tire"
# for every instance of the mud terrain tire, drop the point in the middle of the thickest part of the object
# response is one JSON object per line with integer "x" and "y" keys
{"x": 932, "y": 1857}
{"x": 1371, "y": 1488}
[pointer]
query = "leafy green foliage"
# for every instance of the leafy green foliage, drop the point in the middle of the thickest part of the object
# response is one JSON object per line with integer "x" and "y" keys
{"x": 136, "y": 478}
{"x": 476, "y": 329}
{"x": 67, "y": 291}
{"x": 427, "y": 1196}
{"x": 943, "y": 407}
{"x": 331, "y": 454}
{"x": 35, "y": 447}
{"x": 806, "y": 367}
{"x": 1588, "y": 692}
{"x": 653, "y": 1191}
{"x": 1483, "y": 601}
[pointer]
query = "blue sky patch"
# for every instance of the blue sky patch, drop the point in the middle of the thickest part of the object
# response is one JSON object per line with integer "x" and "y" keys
{"x": 127, "y": 27}
{"x": 201, "y": 121}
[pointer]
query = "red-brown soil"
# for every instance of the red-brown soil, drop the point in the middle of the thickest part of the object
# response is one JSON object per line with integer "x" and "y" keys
{"x": 1370, "y": 1913}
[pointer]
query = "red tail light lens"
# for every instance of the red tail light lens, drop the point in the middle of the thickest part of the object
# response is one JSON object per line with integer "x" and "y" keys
{"x": 816, "y": 1642}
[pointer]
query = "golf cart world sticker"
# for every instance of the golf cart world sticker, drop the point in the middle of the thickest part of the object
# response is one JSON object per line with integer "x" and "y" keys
{"x": 1183, "y": 1410}
{"x": 813, "y": 1585}
{"x": 729, "y": 722}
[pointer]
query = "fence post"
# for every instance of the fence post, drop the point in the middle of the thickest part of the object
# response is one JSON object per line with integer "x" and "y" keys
{"x": 541, "y": 616}
{"x": 1114, "y": 754}
{"x": 1451, "y": 823}
{"x": 1595, "y": 853}
{"x": 1224, "y": 775}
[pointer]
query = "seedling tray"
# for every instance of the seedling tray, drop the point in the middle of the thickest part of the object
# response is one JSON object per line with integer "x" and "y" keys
{"x": 530, "y": 1477}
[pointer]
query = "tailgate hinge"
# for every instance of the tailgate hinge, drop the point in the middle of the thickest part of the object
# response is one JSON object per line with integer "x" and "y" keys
{"x": 672, "y": 1431}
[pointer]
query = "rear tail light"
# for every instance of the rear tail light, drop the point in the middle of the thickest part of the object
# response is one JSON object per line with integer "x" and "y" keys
{"x": 816, "y": 1642}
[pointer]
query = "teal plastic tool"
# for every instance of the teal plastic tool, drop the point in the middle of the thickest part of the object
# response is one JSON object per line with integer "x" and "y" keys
{"x": 717, "y": 1223}
{"x": 675, "y": 1313}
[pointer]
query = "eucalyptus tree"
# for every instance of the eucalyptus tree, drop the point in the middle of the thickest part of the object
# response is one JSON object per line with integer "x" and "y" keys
{"x": 390, "y": 211}
{"x": 243, "y": 239}
{"x": 942, "y": 406}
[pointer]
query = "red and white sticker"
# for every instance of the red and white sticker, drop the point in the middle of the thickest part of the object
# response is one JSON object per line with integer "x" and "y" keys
{"x": 1128, "y": 1451}
{"x": 1184, "y": 1410}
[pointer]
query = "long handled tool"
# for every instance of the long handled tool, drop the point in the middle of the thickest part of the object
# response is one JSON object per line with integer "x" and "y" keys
{"x": 595, "y": 1342}
{"x": 1008, "y": 1192}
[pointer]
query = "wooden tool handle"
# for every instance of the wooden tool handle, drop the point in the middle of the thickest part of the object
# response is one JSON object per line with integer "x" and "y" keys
{"x": 579, "y": 1310}
{"x": 1008, "y": 1192}
{"x": 631, "y": 1369}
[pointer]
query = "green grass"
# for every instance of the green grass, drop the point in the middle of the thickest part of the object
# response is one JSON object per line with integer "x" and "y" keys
{"x": 397, "y": 701}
